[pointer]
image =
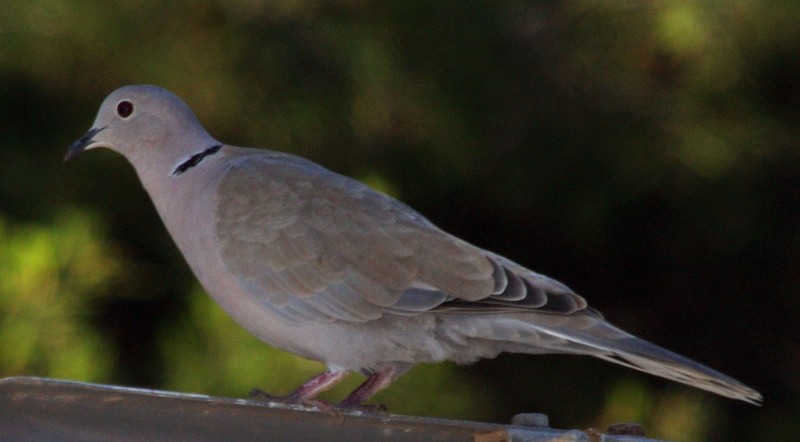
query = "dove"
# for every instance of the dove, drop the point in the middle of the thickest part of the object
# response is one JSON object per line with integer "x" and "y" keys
{"x": 322, "y": 266}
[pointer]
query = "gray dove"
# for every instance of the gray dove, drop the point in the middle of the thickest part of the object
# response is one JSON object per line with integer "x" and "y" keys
{"x": 321, "y": 265}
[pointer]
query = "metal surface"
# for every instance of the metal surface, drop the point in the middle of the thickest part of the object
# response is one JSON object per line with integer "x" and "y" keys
{"x": 37, "y": 409}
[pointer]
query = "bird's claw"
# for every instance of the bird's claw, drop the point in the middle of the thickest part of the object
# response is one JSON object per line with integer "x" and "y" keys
{"x": 290, "y": 399}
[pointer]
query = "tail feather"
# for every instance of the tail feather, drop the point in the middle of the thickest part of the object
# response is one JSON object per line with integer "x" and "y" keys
{"x": 588, "y": 333}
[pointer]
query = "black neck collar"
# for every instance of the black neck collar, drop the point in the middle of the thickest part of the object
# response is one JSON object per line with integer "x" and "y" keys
{"x": 195, "y": 159}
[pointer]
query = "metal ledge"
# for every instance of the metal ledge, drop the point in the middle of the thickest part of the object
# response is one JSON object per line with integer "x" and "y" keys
{"x": 39, "y": 409}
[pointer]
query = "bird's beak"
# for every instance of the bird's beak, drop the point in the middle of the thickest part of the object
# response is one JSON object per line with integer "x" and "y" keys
{"x": 80, "y": 145}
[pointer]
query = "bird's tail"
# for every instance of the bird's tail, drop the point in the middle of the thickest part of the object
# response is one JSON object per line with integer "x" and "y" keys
{"x": 587, "y": 333}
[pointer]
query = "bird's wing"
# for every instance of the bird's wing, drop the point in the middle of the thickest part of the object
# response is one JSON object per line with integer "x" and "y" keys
{"x": 313, "y": 244}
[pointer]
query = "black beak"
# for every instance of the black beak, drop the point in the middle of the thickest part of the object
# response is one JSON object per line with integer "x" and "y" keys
{"x": 78, "y": 146}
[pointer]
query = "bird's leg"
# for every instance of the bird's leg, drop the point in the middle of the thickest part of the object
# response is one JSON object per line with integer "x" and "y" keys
{"x": 317, "y": 385}
{"x": 374, "y": 383}
{"x": 306, "y": 393}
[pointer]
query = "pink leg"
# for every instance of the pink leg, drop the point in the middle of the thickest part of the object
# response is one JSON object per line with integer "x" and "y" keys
{"x": 375, "y": 383}
{"x": 305, "y": 394}
{"x": 317, "y": 385}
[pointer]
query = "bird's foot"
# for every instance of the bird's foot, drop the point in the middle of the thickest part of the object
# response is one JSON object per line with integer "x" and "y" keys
{"x": 364, "y": 408}
{"x": 291, "y": 399}
{"x": 374, "y": 383}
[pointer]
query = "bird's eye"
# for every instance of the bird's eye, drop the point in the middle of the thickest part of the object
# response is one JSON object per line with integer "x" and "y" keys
{"x": 125, "y": 108}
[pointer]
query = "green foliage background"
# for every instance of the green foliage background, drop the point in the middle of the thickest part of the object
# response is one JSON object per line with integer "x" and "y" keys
{"x": 645, "y": 153}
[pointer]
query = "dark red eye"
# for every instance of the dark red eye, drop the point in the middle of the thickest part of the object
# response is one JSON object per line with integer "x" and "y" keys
{"x": 125, "y": 108}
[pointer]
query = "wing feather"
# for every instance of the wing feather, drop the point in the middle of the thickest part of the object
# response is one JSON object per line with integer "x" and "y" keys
{"x": 316, "y": 245}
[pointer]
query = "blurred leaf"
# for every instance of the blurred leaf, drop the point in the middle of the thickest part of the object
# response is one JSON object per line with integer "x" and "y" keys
{"x": 49, "y": 276}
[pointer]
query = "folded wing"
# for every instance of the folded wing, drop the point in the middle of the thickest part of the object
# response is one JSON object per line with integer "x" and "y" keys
{"x": 313, "y": 244}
